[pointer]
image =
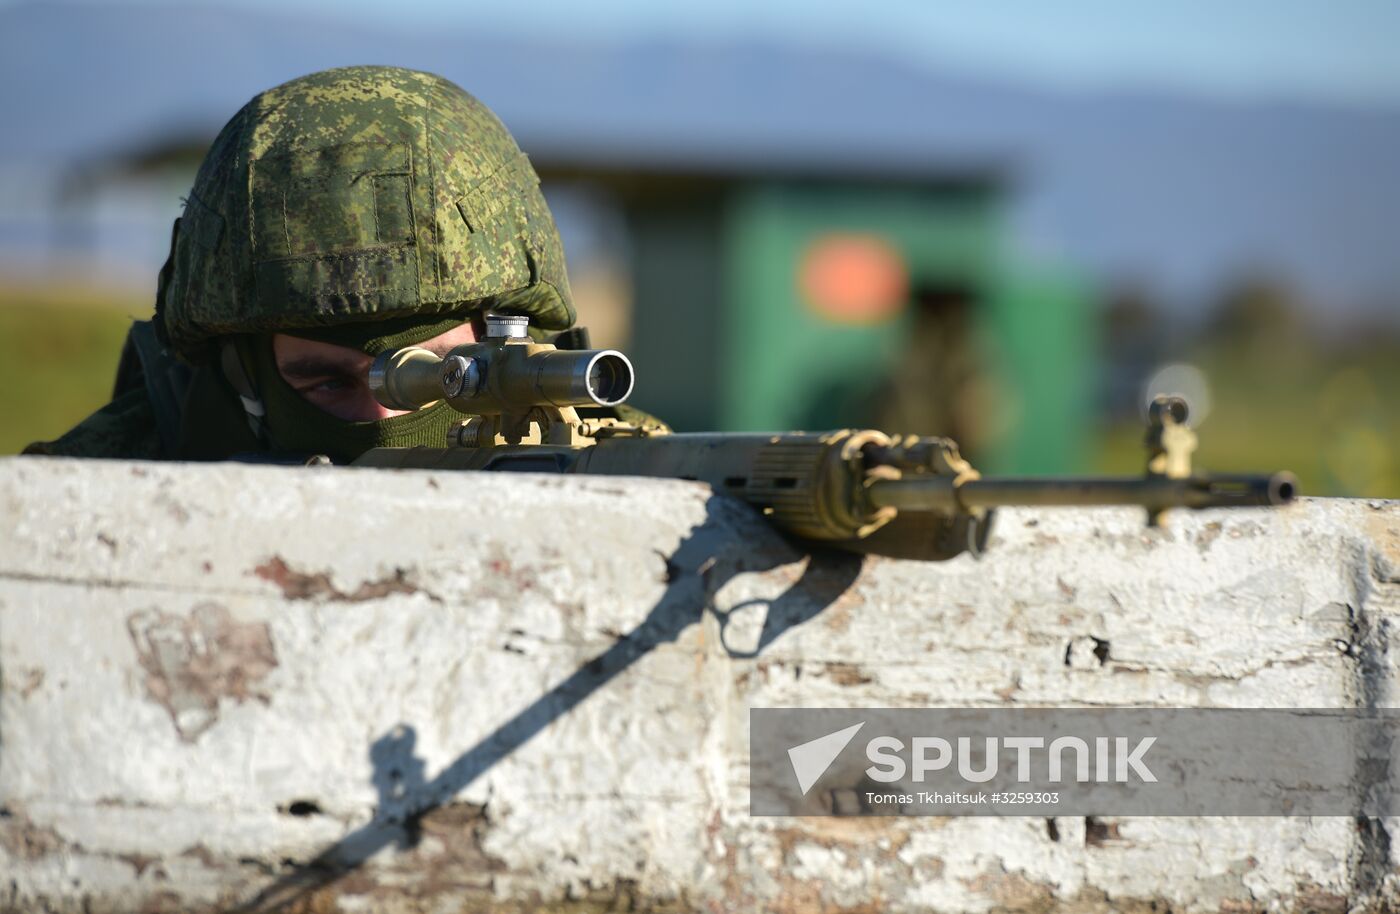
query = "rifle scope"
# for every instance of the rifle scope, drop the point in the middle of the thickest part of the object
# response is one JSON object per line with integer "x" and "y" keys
{"x": 498, "y": 375}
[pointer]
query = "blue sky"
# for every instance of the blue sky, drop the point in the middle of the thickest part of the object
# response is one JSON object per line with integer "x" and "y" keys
{"x": 1339, "y": 51}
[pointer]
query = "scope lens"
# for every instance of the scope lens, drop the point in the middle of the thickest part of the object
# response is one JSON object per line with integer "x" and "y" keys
{"x": 609, "y": 379}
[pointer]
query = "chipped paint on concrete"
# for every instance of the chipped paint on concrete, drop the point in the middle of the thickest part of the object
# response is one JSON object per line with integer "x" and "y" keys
{"x": 301, "y": 585}
{"x": 22, "y": 840}
{"x": 195, "y": 662}
{"x": 231, "y": 687}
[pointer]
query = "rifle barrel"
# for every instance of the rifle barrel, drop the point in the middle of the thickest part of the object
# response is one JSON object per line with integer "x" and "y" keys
{"x": 943, "y": 494}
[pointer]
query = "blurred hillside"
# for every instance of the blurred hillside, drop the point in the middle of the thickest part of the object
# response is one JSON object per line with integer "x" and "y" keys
{"x": 1173, "y": 191}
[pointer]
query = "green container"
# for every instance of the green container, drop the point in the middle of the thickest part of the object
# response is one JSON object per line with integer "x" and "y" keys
{"x": 745, "y": 318}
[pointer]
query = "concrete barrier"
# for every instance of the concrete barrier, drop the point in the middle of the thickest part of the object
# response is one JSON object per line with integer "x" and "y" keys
{"x": 229, "y": 687}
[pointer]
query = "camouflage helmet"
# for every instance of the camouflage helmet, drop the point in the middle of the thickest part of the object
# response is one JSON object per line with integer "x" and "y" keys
{"x": 360, "y": 194}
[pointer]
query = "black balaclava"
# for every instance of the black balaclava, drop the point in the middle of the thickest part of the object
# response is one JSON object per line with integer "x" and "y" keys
{"x": 296, "y": 426}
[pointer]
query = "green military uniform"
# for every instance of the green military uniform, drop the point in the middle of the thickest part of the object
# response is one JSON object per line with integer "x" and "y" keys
{"x": 366, "y": 206}
{"x": 123, "y": 429}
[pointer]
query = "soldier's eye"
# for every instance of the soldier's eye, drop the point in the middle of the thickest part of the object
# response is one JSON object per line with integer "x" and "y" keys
{"x": 326, "y": 384}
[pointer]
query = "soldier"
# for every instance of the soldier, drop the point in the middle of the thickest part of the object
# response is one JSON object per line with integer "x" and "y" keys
{"x": 335, "y": 217}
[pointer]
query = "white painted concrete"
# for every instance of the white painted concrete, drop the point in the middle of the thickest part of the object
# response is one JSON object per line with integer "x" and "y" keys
{"x": 214, "y": 674}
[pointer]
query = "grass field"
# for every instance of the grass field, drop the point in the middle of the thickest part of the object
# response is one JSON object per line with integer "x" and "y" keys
{"x": 58, "y": 355}
{"x": 1330, "y": 416}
